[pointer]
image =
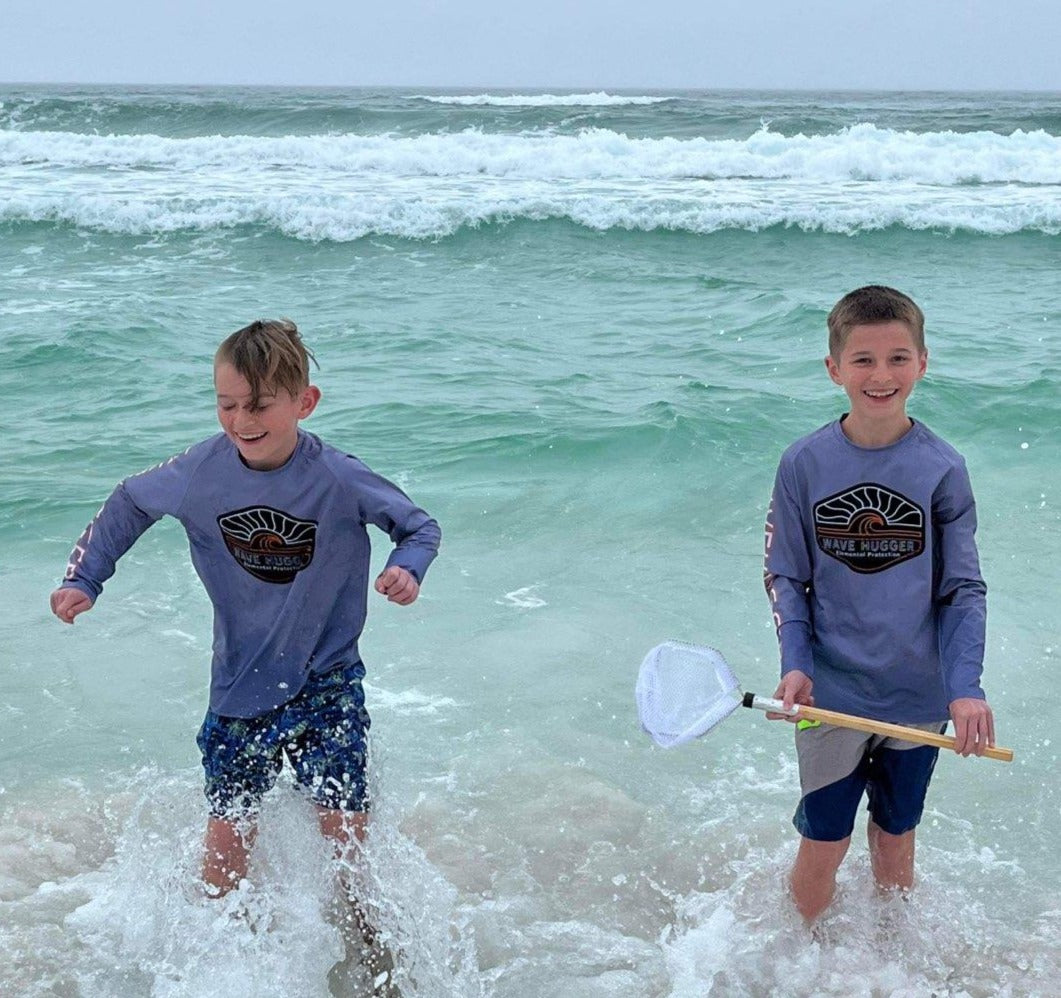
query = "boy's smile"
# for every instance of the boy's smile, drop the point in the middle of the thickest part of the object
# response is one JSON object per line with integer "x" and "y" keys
{"x": 265, "y": 435}
{"x": 878, "y": 368}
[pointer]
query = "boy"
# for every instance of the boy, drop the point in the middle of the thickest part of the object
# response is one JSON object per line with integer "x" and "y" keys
{"x": 276, "y": 525}
{"x": 873, "y": 576}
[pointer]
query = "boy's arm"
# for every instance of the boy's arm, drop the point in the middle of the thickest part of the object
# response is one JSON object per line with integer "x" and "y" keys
{"x": 961, "y": 600}
{"x": 786, "y": 575}
{"x": 111, "y": 533}
{"x": 132, "y": 507}
{"x": 416, "y": 535}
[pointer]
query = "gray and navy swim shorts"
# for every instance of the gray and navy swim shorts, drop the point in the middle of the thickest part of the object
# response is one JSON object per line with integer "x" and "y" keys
{"x": 837, "y": 765}
{"x": 323, "y": 732}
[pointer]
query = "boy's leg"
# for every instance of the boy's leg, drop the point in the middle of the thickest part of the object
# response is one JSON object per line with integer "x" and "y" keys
{"x": 241, "y": 762}
{"x": 225, "y": 856}
{"x": 832, "y": 775}
{"x": 327, "y": 744}
{"x": 899, "y": 774}
{"x": 892, "y": 857}
{"x": 342, "y": 827}
{"x": 326, "y": 739}
{"x": 813, "y": 878}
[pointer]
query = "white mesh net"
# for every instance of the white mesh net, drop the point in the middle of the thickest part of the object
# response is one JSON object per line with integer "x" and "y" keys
{"x": 683, "y": 691}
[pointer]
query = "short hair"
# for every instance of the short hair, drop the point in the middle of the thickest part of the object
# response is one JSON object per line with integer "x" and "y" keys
{"x": 270, "y": 354}
{"x": 868, "y": 306}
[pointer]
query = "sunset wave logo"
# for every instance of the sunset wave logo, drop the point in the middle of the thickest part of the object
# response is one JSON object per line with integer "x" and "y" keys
{"x": 269, "y": 544}
{"x": 869, "y": 528}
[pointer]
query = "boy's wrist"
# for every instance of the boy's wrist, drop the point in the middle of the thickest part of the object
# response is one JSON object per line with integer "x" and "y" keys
{"x": 976, "y": 694}
{"x": 81, "y": 587}
{"x": 412, "y": 570}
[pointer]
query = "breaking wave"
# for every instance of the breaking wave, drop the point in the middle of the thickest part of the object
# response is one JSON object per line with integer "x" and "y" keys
{"x": 343, "y": 187}
{"x": 860, "y": 153}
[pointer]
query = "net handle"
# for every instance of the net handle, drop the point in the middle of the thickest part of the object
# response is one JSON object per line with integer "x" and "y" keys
{"x": 900, "y": 731}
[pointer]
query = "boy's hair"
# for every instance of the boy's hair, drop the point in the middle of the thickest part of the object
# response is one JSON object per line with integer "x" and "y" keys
{"x": 270, "y": 354}
{"x": 872, "y": 304}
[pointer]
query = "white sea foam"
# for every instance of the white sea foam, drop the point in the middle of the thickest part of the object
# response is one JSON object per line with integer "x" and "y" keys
{"x": 523, "y": 598}
{"x": 597, "y": 99}
{"x": 865, "y": 945}
{"x": 430, "y": 210}
{"x": 407, "y": 701}
{"x": 860, "y": 153}
{"x": 128, "y": 917}
{"x": 347, "y": 186}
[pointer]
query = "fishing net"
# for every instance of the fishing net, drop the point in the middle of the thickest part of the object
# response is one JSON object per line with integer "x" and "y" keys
{"x": 683, "y": 691}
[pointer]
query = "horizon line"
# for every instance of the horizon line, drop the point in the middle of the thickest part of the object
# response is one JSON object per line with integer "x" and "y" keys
{"x": 537, "y": 89}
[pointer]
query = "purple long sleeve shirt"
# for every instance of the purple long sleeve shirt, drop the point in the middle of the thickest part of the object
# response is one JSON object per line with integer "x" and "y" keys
{"x": 283, "y": 555}
{"x": 873, "y": 574}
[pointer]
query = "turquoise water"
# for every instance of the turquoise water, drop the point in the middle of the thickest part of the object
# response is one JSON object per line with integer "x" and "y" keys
{"x": 579, "y": 329}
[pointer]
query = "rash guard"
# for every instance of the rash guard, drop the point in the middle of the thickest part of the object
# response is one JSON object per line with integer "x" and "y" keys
{"x": 283, "y": 555}
{"x": 873, "y": 575}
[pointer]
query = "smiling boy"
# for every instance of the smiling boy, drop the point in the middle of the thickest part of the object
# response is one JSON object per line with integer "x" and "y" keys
{"x": 874, "y": 581}
{"x": 276, "y": 522}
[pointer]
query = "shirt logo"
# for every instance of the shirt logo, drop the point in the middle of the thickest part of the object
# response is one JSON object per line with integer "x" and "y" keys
{"x": 869, "y": 528}
{"x": 271, "y": 545}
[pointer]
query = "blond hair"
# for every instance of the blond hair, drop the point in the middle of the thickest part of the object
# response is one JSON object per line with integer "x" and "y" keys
{"x": 270, "y": 355}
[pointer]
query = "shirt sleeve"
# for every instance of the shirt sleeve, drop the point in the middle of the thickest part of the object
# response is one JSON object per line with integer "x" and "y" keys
{"x": 111, "y": 533}
{"x": 787, "y": 575}
{"x": 137, "y": 503}
{"x": 961, "y": 594}
{"x": 416, "y": 535}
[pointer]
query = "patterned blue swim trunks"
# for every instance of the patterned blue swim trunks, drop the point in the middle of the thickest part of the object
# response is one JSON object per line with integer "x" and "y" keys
{"x": 323, "y": 732}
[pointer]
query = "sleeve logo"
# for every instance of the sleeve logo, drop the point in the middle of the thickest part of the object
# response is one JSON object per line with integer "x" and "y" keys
{"x": 869, "y": 528}
{"x": 271, "y": 545}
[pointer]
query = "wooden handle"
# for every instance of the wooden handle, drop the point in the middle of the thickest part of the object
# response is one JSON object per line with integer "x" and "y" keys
{"x": 895, "y": 731}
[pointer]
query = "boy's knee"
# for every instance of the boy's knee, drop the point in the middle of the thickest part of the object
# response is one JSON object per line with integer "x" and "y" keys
{"x": 892, "y": 857}
{"x": 889, "y": 843}
{"x": 813, "y": 879}
{"x": 819, "y": 858}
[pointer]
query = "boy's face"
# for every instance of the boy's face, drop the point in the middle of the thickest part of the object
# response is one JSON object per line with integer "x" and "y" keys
{"x": 878, "y": 369}
{"x": 265, "y": 436}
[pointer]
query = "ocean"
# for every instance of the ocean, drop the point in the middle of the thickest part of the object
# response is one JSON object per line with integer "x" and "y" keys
{"x": 579, "y": 329}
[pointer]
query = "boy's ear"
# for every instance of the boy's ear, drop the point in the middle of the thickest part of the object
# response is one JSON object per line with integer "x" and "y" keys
{"x": 308, "y": 400}
{"x": 923, "y": 364}
{"x": 833, "y": 368}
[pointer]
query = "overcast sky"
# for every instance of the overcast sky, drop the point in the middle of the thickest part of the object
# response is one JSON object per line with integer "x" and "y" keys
{"x": 577, "y": 44}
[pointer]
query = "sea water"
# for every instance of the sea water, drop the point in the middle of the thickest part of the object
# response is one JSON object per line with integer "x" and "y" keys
{"x": 579, "y": 329}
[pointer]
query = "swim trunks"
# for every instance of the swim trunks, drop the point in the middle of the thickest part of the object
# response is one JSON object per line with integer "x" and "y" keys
{"x": 322, "y": 731}
{"x": 837, "y": 765}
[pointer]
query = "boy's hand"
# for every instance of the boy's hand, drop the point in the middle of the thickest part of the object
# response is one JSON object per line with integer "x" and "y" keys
{"x": 974, "y": 725}
{"x": 68, "y": 603}
{"x": 795, "y": 688}
{"x": 399, "y": 585}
